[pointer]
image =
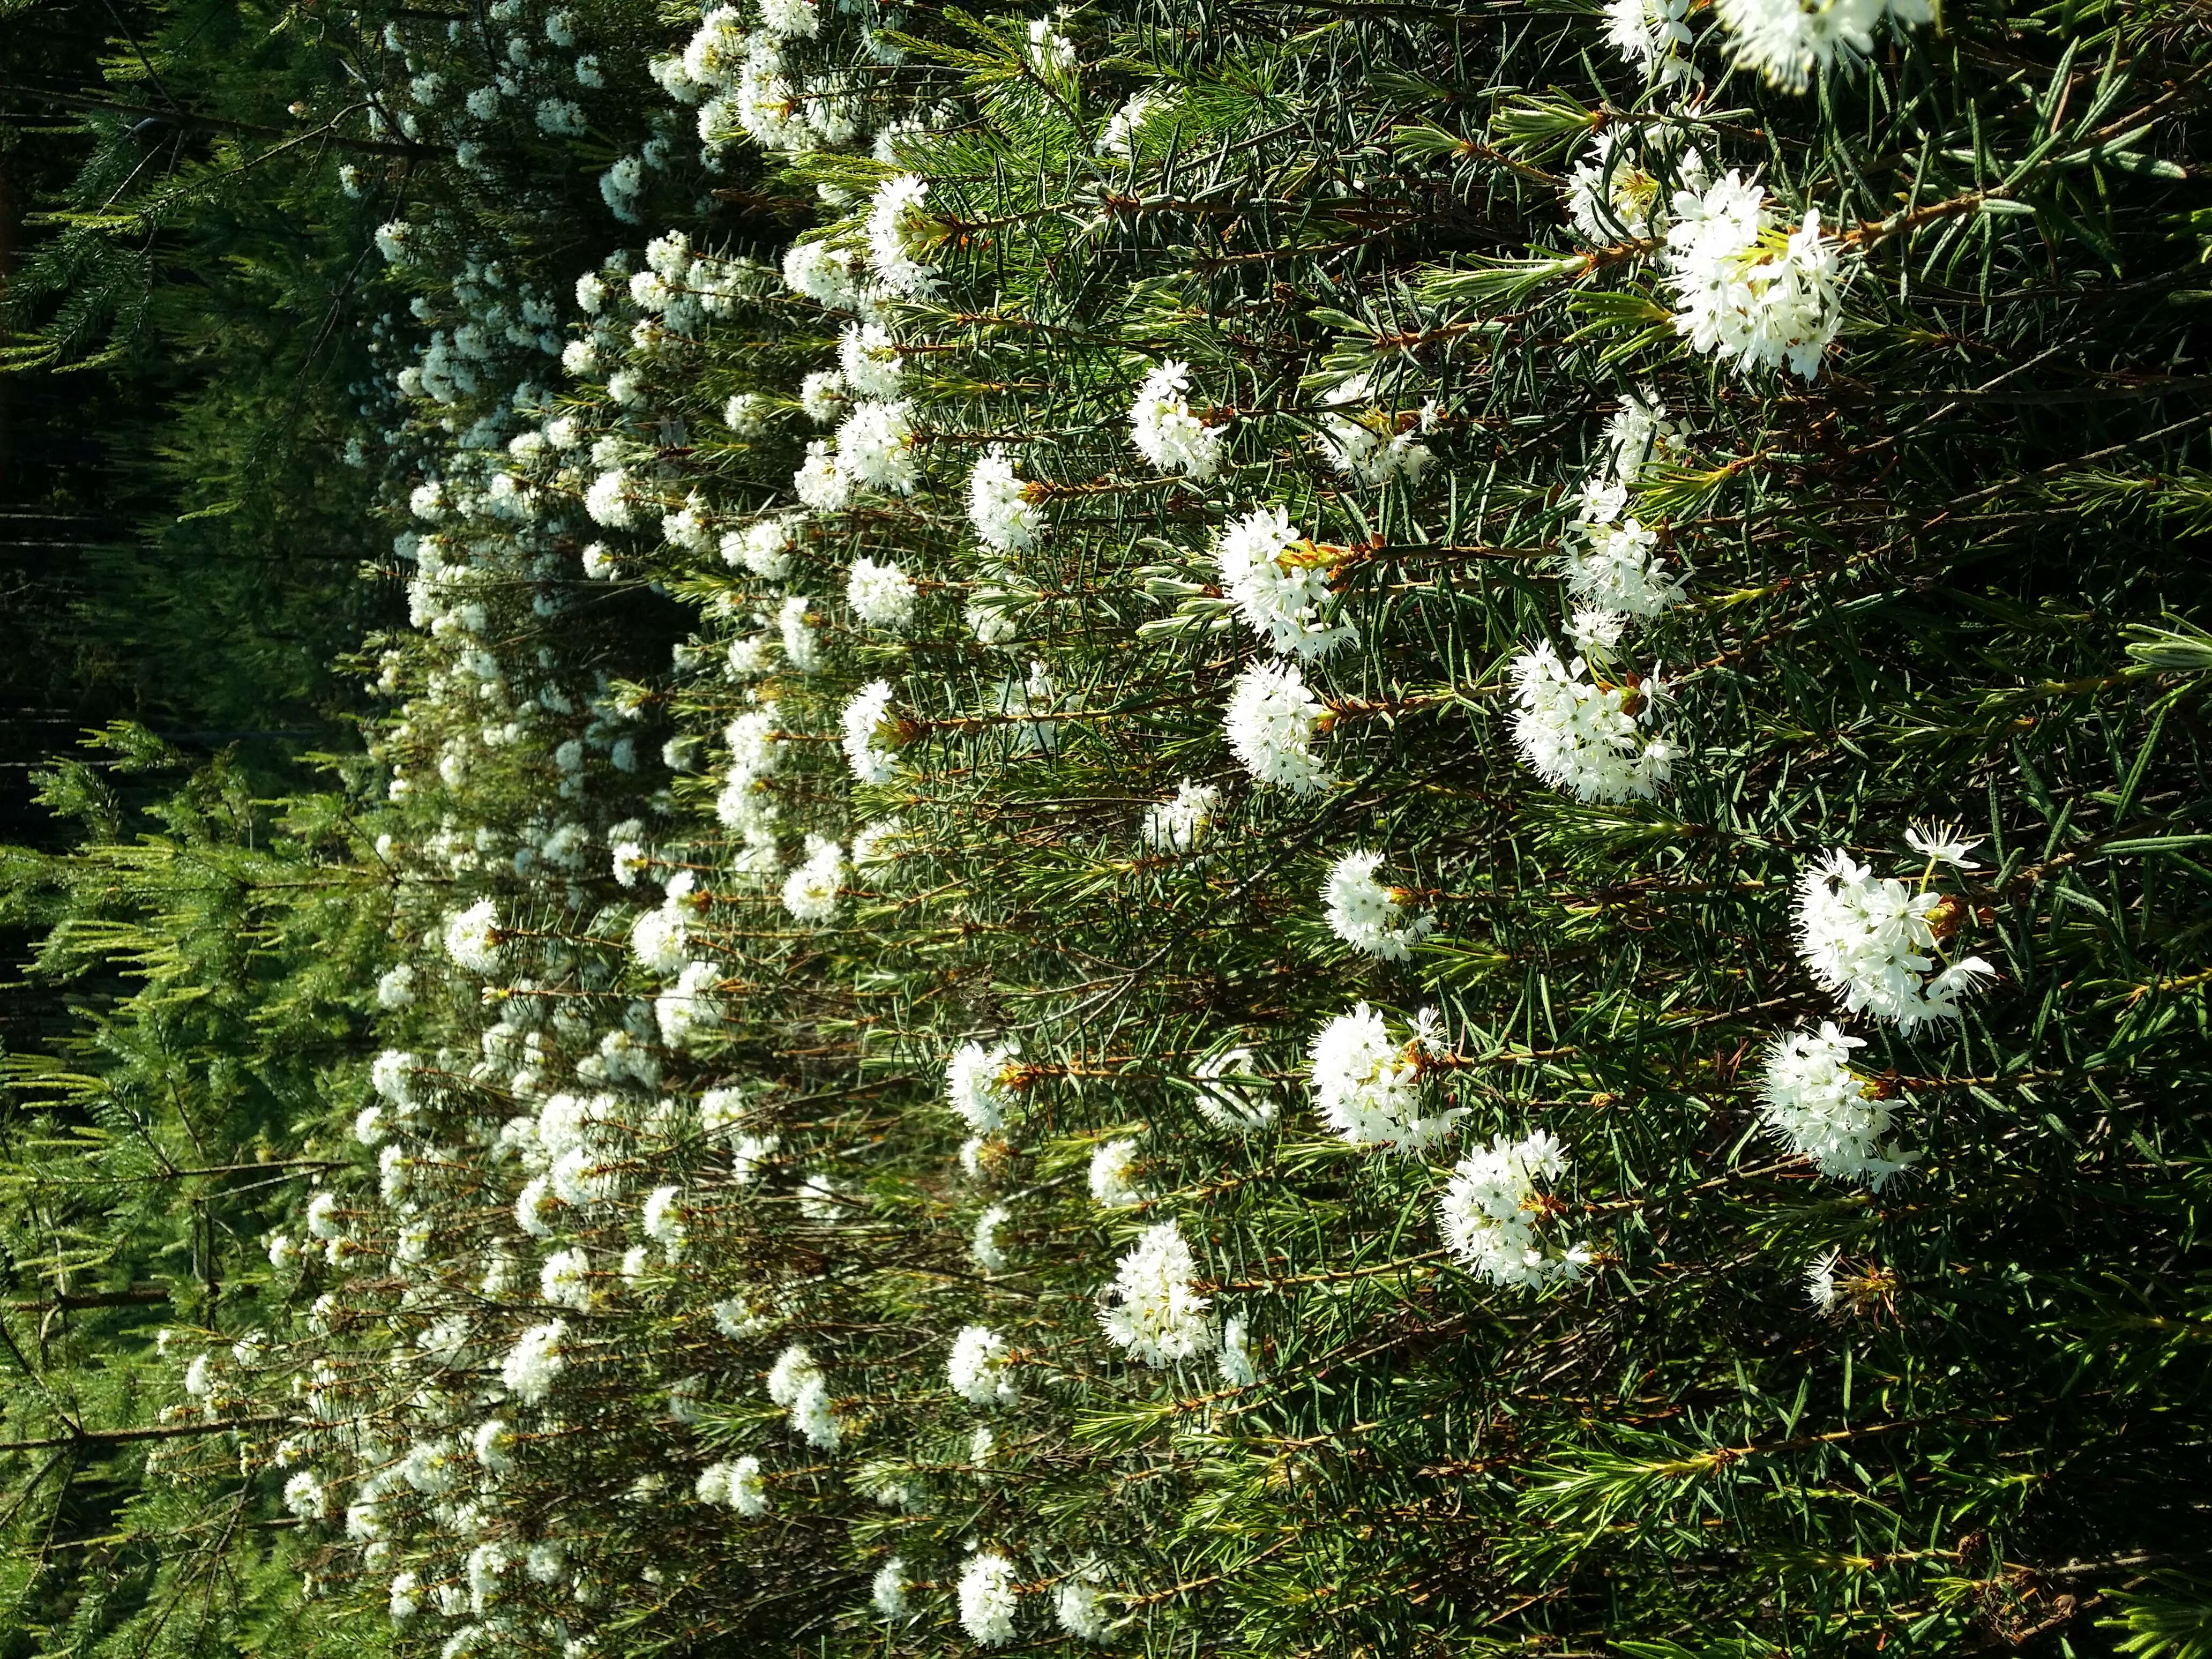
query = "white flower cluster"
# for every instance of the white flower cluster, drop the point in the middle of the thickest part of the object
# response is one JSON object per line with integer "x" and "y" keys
{"x": 1582, "y": 735}
{"x": 1654, "y": 35}
{"x": 1270, "y": 723}
{"x": 472, "y": 939}
{"x": 864, "y": 722}
{"x": 1280, "y": 582}
{"x": 737, "y": 1485}
{"x": 1813, "y": 1103}
{"x": 1491, "y": 1213}
{"x": 1615, "y": 193}
{"x": 881, "y": 595}
{"x": 999, "y": 504}
{"x": 987, "y": 1599}
{"x": 1611, "y": 561}
{"x": 1151, "y": 1309}
{"x": 809, "y": 891}
{"x": 1370, "y": 444}
{"x": 1369, "y": 1088}
{"x": 1367, "y": 915}
{"x": 1758, "y": 294}
{"x": 1179, "y": 825}
{"x": 797, "y": 1383}
{"x": 976, "y": 1087}
{"x": 1785, "y": 40}
{"x": 1166, "y": 433}
{"x": 977, "y": 1368}
{"x": 1874, "y": 942}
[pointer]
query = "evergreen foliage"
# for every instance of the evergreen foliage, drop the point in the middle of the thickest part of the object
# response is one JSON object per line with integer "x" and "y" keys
{"x": 1248, "y": 829}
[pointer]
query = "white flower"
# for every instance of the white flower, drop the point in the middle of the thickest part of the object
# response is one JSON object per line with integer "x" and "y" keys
{"x": 396, "y": 989}
{"x": 898, "y": 233}
{"x": 1226, "y": 1099}
{"x": 745, "y": 414}
{"x": 1581, "y": 736}
{"x": 870, "y": 359}
{"x": 662, "y": 1218}
{"x": 796, "y": 625}
{"x": 1151, "y": 1309}
{"x": 864, "y": 721}
{"x": 494, "y": 1444}
{"x": 1491, "y": 1212}
{"x": 1612, "y": 562}
{"x": 822, "y": 396}
{"x": 976, "y": 1368}
{"x": 535, "y": 1361}
{"x": 751, "y": 656}
{"x": 1118, "y": 138}
{"x": 875, "y": 447}
{"x": 561, "y": 117}
{"x": 565, "y": 1280}
{"x": 1179, "y": 825}
{"x": 472, "y": 939}
{"x": 661, "y": 940}
{"x": 790, "y": 20}
{"x": 751, "y": 739}
{"x": 1280, "y": 581}
{"x": 999, "y": 505}
{"x": 984, "y": 1243}
{"x": 1367, "y": 915}
{"x": 1270, "y": 724}
{"x": 821, "y": 1199}
{"x": 1821, "y": 1286}
{"x": 881, "y": 595}
{"x": 1639, "y": 433}
{"x": 687, "y": 1008}
{"x": 1368, "y": 444}
{"x": 392, "y": 1074}
{"x": 810, "y": 892}
{"x": 1080, "y": 1611}
{"x": 987, "y": 1599}
{"x": 1165, "y": 432}
{"x": 403, "y": 1602}
{"x": 1786, "y": 40}
{"x": 888, "y": 1590}
{"x": 1050, "y": 52}
{"x": 1368, "y": 1088}
{"x": 1813, "y": 1103}
{"x": 748, "y": 1492}
{"x": 1615, "y": 194}
{"x": 1109, "y": 1174}
{"x": 305, "y": 1497}
{"x": 749, "y": 1154}
{"x": 794, "y": 1369}
{"x": 976, "y": 1087}
{"x": 822, "y": 273}
{"x": 1943, "y": 843}
{"x": 812, "y": 1417}
{"x": 609, "y": 500}
{"x": 1238, "y": 1370}
{"x": 1653, "y": 35}
{"x": 820, "y": 482}
{"x": 1746, "y": 288}
{"x": 763, "y": 548}
{"x": 1872, "y": 941}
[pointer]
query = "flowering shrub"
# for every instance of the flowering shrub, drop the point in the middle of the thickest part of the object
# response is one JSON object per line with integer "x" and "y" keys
{"x": 1155, "y": 857}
